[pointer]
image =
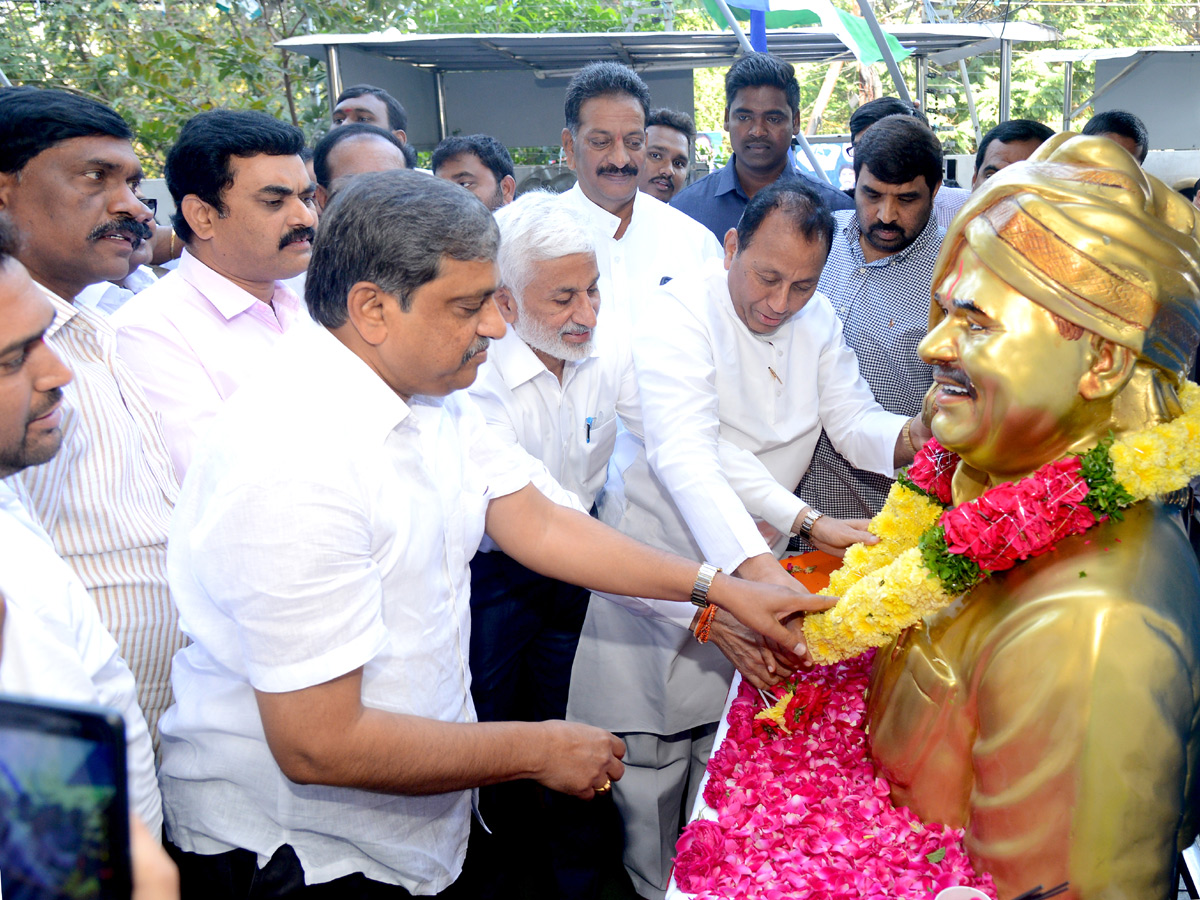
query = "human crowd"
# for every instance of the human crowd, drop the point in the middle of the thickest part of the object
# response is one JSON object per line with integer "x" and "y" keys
{"x": 379, "y": 514}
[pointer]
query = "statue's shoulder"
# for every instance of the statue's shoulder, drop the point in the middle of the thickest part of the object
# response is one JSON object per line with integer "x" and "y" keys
{"x": 1133, "y": 580}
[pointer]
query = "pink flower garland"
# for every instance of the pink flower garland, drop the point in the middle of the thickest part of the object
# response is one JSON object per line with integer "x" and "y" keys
{"x": 933, "y": 471}
{"x": 1019, "y": 520}
{"x": 804, "y": 817}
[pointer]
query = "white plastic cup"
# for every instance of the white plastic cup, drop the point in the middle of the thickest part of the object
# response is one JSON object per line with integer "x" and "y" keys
{"x": 961, "y": 892}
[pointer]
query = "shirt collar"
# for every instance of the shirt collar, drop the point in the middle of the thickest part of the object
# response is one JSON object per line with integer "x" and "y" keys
{"x": 601, "y": 218}
{"x": 853, "y": 232}
{"x": 364, "y": 397}
{"x": 516, "y": 362}
{"x": 727, "y": 181}
{"x": 228, "y": 298}
{"x": 64, "y": 311}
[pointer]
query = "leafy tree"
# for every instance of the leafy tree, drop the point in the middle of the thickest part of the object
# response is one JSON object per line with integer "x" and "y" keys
{"x": 161, "y": 62}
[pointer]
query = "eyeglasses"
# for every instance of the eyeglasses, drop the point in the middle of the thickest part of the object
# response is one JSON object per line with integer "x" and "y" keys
{"x": 150, "y": 203}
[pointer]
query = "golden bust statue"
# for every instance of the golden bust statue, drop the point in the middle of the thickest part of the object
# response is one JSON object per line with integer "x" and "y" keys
{"x": 1052, "y": 710}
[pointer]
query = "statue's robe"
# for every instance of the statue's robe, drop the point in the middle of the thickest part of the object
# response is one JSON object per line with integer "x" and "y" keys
{"x": 1052, "y": 713}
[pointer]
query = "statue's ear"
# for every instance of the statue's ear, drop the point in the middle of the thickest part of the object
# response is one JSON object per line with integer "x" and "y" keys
{"x": 1111, "y": 369}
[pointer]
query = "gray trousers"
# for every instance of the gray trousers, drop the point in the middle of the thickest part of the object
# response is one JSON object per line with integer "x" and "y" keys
{"x": 655, "y": 796}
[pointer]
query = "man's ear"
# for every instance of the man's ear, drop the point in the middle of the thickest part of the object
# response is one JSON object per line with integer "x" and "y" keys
{"x": 8, "y": 182}
{"x": 507, "y": 304}
{"x": 322, "y": 197}
{"x": 508, "y": 188}
{"x": 568, "y": 145}
{"x": 1111, "y": 369}
{"x": 731, "y": 247}
{"x": 401, "y": 135}
{"x": 366, "y": 306}
{"x": 199, "y": 216}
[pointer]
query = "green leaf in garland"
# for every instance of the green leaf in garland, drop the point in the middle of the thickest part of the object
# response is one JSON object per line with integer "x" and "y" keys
{"x": 936, "y": 856}
{"x": 902, "y": 477}
{"x": 956, "y": 573}
{"x": 1106, "y": 496}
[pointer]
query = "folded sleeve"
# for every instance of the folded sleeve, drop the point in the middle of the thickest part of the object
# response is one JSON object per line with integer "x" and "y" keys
{"x": 301, "y": 583}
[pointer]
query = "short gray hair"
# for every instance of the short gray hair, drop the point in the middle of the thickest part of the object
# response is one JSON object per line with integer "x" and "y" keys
{"x": 536, "y": 227}
{"x": 393, "y": 229}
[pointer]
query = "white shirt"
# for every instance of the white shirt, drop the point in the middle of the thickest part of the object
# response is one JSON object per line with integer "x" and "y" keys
{"x": 725, "y": 442}
{"x": 106, "y": 499}
{"x": 56, "y": 648}
{"x": 570, "y": 426}
{"x": 107, "y": 296}
{"x": 660, "y": 242}
{"x": 325, "y": 526}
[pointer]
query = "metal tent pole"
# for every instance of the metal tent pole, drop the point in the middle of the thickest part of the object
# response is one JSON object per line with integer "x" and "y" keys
{"x": 884, "y": 50}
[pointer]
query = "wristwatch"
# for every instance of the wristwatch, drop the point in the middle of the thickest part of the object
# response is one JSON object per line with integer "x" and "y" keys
{"x": 704, "y": 580}
{"x": 810, "y": 519}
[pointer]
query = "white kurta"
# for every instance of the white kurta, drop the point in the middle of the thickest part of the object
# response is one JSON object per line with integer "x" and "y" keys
{"x": 731, "y": 420}
{"x": 56, "y": 648}
{"x": 660, "y": 242}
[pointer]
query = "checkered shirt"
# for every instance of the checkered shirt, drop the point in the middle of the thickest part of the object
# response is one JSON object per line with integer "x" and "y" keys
{"x": 884, "y": 308}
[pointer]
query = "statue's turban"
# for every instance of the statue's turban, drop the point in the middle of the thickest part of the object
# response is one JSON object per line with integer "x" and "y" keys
{"x": 1080, "y": 229}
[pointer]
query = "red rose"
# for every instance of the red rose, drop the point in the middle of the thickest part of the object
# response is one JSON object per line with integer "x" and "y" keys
{"x": 698, "y": 854}
{"x": 806, "y": 704}
{"x": 1015, "y": 521}
{"x": 932, "y": 470}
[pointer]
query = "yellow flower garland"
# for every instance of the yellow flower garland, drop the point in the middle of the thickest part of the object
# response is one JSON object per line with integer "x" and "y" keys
{"x": 886, "y": 587}
{"x": 904, "y": 518}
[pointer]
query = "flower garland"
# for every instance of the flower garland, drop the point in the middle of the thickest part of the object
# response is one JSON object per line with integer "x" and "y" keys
{"x": 798, "y": 811}
{"x": 929, "y": 552}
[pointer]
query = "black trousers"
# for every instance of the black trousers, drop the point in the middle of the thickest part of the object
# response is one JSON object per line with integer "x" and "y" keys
{"x": 235, "y": 875}
{"x": 524, "y": 631}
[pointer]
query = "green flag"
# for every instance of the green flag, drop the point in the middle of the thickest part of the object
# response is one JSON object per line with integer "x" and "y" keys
{"x": 853, "y": 31}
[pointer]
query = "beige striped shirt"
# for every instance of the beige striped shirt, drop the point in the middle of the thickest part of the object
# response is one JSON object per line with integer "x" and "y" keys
{"x": 106, "y": 500}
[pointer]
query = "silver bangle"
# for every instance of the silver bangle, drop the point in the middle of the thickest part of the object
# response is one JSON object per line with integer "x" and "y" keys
{"x": 704, "y": 580}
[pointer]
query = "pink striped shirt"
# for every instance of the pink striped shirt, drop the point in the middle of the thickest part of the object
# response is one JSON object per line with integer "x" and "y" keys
{"x": 106, "y": 500}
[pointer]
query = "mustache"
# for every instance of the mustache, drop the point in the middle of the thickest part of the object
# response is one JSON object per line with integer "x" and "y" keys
{"x": 137, "y": 232}
{"x": 575, "y": 329}
{"x": 475, "y": 349}
{"x": 958, "y": 376}
{"x": 627, "y": 169}
{"x": 303, "y": 233}
{"x": 880, "y": 226}
{"x": 53, "y": 398}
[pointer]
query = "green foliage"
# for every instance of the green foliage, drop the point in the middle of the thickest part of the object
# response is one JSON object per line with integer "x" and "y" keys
{"x": 902, "y": 477}
{"x": 159, "y": 63}
{"x": 1037, "y": 87}
{"x": 1106, "y": 496}
{"x": 957, "y": 574}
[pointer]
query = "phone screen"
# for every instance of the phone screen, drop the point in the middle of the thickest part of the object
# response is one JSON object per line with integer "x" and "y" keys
{"x": 64, "y": 807}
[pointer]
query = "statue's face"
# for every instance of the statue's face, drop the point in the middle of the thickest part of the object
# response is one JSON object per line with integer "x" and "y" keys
{"x": 1009, "y": 397}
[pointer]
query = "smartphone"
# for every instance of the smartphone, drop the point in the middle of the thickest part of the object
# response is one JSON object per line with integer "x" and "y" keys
{"x": 64, "y": 805}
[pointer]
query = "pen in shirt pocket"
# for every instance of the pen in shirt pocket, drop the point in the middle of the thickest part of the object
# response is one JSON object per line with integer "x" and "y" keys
{"x": 588, "y": 429}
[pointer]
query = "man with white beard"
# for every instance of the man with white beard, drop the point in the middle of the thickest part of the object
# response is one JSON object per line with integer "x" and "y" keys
{"x": 555, "y": 386}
